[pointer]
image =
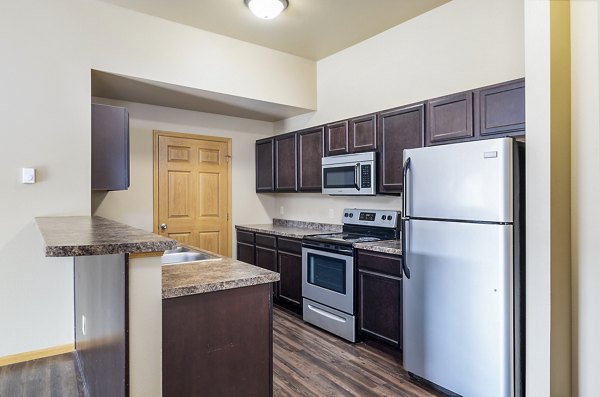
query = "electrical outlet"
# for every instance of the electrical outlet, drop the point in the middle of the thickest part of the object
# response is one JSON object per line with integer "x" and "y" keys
{"x": 331, "y": 213}
{"x": 83, "y": 324}
{"x": 281, "y": 210}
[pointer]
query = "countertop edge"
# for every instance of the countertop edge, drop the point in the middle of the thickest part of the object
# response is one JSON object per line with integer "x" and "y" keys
{"x": 57, "y": 231}
{"x": 275, "y": 232}
{"x": 379, "y": 246}
{"x": 182, "y": 291}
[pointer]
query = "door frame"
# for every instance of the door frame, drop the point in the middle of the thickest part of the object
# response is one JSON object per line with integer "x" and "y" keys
{"x": 159, "y": 133}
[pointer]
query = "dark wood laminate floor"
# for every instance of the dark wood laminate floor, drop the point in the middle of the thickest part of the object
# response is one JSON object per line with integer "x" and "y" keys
{"x": 55, "y": 376}
{"x": 310, "y": 362}
{"x": 306, "y": 362}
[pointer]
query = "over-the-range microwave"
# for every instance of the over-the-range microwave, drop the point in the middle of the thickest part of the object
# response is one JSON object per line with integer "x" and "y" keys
{"x": 349, "y": 174}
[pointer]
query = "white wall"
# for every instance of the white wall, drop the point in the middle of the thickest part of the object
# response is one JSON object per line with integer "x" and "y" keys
{"x": 48, "y": 49}
{"x": 135, "y": 205}
{"x": 585, "y": 195}
{"x": 460, "y": 45}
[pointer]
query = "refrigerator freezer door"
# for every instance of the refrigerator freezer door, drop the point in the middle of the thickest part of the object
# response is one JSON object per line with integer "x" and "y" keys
{"x": 457, "y": 306}
{"x": 465, "y": 181}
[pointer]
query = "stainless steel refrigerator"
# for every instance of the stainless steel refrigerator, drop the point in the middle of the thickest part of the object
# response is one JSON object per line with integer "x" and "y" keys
{"x": 464, "y": 268}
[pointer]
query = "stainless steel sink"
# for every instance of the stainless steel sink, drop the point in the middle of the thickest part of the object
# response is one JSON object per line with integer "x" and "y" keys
{"x": 185, "y": 254}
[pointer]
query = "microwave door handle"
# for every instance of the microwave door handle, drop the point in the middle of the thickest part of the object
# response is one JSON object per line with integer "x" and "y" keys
{"x": 357, "y": 176}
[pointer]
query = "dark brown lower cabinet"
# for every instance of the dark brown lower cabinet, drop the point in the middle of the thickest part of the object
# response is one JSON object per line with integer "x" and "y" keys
{"x": 290, "y": 286}
{"x": 278, "y": 254}
{"x": 380, "y": 297}
{"x": 266, "y": 254}
{"x": 219, "y": 343}
{"x": 245, "y": 253}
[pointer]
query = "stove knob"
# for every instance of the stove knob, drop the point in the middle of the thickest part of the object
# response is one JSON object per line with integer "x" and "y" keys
{"x": 389, "y": 217}
{"x": 383, "y": 217}
{"x": 345, "y": 214}
{"x": 351, "y": 215}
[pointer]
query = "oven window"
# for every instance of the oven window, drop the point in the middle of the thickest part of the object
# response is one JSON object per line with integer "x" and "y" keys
{"x": 327, "y": 272}
{"x": 338, "y": 177}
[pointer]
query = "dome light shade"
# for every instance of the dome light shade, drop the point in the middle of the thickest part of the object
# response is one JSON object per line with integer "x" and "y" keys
{"x": 266, "y": 9}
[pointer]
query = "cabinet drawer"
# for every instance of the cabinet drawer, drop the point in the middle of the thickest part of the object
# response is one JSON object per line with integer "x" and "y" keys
{"x": 382, "y": 263}
{"x": 245, "y": 237}
{"x": 293, "y": 246}
{"x": 265, "y": 240}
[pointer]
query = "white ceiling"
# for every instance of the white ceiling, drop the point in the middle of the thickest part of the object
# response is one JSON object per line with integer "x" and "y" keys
{"x": 312, "y": 29}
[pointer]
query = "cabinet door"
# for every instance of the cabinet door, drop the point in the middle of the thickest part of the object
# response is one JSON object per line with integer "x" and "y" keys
{"x": 502, "y": 109}
{"x": 267, "y": 259}
{"x": 336, "y": 138}
{"x": 285, "y": 163}
{"x": 450, "y": 118}
{"x": 110, "y": 147}
{"x": 264, "y": 165}
{"x": 363, "y": 134}
{"x": 380, "y": 306}
{"x": 290, "y": 285}
{"x": 310, "y": 152}
{"x": 245, "y": 253}
{"x": 399, "y": 129}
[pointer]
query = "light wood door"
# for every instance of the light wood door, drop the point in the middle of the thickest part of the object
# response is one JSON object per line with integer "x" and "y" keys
{"x": 193, "y": 192}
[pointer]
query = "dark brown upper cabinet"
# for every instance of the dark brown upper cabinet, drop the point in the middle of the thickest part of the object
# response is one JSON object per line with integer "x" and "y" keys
{"x": 286, "y": 163}
{"x": 363, "y": 133}
{"x": 502, "y": 108}
{"x": 399, "y": 129}
{"x": 110, "y": 147}
{"x": 336, "y": 138}
{"x": 265, "y": 176}
{"x": 310, "y": 152}
{"x": 450, "y": 118}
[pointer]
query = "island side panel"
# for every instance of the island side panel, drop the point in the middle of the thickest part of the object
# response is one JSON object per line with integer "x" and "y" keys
{"x": 219, "y": 343}
{"x": 145, "y": 326}
{"x": 101, "y": 343}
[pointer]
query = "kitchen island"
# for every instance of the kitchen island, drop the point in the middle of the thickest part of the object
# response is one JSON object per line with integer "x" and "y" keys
{"x": 128, "y": 338}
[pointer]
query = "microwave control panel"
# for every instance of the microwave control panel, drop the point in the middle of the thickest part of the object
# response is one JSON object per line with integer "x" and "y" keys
{"x": 365, "y": 176}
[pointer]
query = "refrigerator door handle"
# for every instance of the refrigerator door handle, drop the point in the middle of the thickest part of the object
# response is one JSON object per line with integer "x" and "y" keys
{"x": 405, "y": 219}
{"x": 405, "y": 267}
{"x": 404, "y": 186}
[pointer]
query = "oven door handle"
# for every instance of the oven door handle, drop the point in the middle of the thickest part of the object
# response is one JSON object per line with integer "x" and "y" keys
{"x": 357, "y": 176}
{"x": 326, "y": 314}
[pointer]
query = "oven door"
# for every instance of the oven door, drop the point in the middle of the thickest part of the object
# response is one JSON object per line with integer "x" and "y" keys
{"x": 328, "y": 278}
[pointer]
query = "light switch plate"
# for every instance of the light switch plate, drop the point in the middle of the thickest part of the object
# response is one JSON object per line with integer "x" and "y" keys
{"x": 28, "y": 175}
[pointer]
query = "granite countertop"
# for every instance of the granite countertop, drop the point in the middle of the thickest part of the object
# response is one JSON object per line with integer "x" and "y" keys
{"x": 292, "y": 229}
{"x": 393, "y": 247}
{"x": 191, "y": 278}
{"x": 94, "y": 235}
{"x": 299, "y": 229}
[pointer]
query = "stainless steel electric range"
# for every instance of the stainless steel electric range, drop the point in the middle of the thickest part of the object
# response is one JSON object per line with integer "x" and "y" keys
{"x": 328, "y": 272}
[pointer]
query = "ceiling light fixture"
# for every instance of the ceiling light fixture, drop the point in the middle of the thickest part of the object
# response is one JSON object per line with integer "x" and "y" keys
{"x": 266, "y": 9}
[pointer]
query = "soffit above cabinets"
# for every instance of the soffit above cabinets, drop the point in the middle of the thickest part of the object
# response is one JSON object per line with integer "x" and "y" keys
{"x": 132, "y": 89}
{"x": 312, "y": 29}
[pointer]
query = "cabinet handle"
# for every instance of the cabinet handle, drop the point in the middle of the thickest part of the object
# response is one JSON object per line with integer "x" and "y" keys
{"x": 163, "y": 226}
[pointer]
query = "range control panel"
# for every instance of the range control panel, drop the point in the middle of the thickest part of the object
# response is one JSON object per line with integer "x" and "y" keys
{"x": 379, "y": 218}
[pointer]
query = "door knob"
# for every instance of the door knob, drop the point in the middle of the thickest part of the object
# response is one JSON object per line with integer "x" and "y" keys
{"x": 163, "y": 226}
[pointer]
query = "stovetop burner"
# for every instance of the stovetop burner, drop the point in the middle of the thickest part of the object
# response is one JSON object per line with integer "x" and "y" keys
{"x": 361, "y": 226}
{"x": 347, "y": 237}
